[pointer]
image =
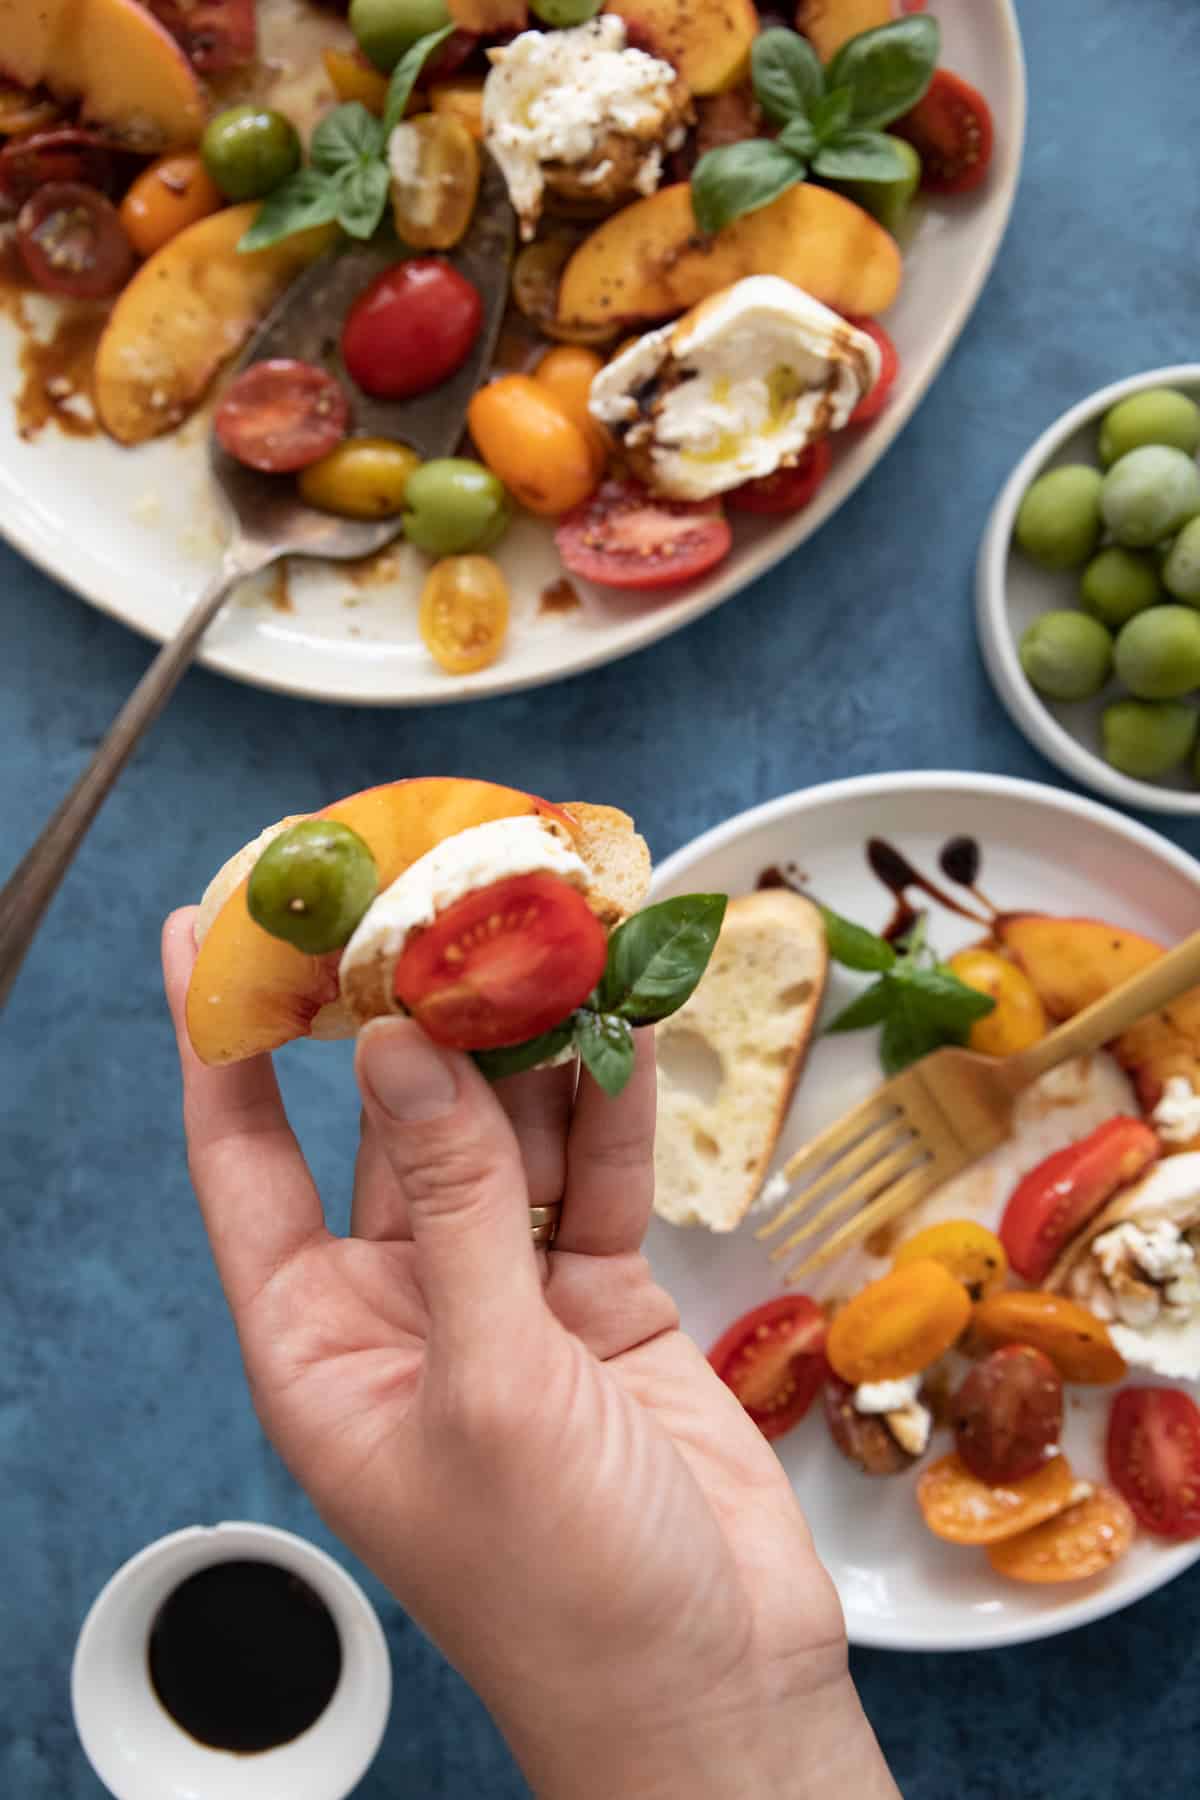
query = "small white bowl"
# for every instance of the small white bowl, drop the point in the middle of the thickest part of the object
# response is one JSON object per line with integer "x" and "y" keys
{"x": 137, "y": 1749}
{"x": 1011, "y": 591}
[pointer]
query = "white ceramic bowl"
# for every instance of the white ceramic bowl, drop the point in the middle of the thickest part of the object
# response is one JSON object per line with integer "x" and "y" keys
{"x": 136, "y": 1748}
{"x": 1011, "y": 591}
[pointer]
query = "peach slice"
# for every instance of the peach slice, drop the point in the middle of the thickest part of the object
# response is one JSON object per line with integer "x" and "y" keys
{"x": 828, "y": 24}
{"x": 707, "y": 40}
{"x": 252, "y": 992}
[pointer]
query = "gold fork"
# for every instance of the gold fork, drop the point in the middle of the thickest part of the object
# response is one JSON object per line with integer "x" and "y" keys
{"x": 949, "y": 1109}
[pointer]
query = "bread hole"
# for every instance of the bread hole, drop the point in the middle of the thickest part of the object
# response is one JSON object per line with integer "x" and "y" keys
{"x": 707, "y": 1146}
{"x": 689, "y": 1061}
{"x": 796, "y": 995}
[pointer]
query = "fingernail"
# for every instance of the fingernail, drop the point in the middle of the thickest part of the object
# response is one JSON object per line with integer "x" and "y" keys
{"x": 408, "y": 1075}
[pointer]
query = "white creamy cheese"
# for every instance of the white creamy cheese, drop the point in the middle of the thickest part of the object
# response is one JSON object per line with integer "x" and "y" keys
{"x": 911, "y": 1427}
{"x": 1176, "y": 1118}
{"x": 1142, "y": 1275}
{"x": 886, "y": 1396}
{"x": 774, "y": 1192}
{"x": 740, "y": 386}
{"x": 1158, "y": 1248}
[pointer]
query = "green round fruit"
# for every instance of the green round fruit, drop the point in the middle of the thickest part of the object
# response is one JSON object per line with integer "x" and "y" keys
{"x": 452, "y": 504}
{"x": 1150, "y": 494}
{"x": 385, "y": 29}
{"x": 888, "y": 200}
{"x": 1181, "y": 570}
{"x": 1147, "y": 738}
{"x": 1067, "y": 655}
{"x": 1119, "y": 583}
{"x": 1159, "y": 416}
{"x": 249, "y": 150}
{"x": 564, "y": 13}
{"x": 1058, "y": 522}
{"x": 312, "y": 884}
{"x": 1158, "y": 653}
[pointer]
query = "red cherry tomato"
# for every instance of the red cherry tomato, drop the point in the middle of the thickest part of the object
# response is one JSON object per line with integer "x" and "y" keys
{"x": 950, "y": 128}
{"x": 411, "y": 329}
{"x": 28, "y": 163}
{"x": 72, "y": 241}
{"x": 624, "y": 537}
{"x": 449, "y": 57}
{"x": 771, "y": 1358}
{"x": 876, "y": 398}
{"x": 786, "y": 490}
{"x": 503, "y": 964}
{"x": 1055, "y": 1200}
{"x": 1154, "y": 1458}
{"x": 282, "y": 415}
{"x": 218, "y": 35}
{"x": 1008, "y": 1415}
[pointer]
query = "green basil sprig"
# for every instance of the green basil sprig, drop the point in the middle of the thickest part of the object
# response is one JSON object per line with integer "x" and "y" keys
{"x": 655, "y": 961}
{"x": 347, "y": 180}
{"x": 830, "y": 119}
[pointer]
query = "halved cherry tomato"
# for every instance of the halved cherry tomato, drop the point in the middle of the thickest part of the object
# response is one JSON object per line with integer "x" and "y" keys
{"x": 876, "y": 398}
{"x": 435, "y": 180}
{"x": 72, "y": 242}
{"x": 899, "y": 1324}
{"x": 1008, "y": 1413}
{"x": 354, "y": 78}
{"x": 1056, "y": 1200}
{"x": 69, "y": 154}
{"x": 1079, "y": 1542}
{"x": 568, "y": 372}
{"x": 786, "y": 490}
{"x": 282, "y": 415}
{"x": 1075, "y": 1340}
{"x": 964, "y": 1510}
{"x": 1018, "y": 1018}
{"x": 171, "y": 194}
{"x": 1154, "y": 1458}
{"x": 862, "y": 1438}
{"x": 218, "y": 35}
{"x": 950, "y": 128}
{"x": 451, "y": 56}
{"x": 973, "y": 1255}
{"x": 526, "y": 438}
{"x": 464, "y": 614}
{"x": 771, "y": 1358}
{"x": 625, "y": 537}
{"x": 411, "y": 328}
{"x": 503, "y": 964}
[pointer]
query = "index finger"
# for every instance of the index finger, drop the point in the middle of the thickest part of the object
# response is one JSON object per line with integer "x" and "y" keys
{"x": 258, "y": 1200}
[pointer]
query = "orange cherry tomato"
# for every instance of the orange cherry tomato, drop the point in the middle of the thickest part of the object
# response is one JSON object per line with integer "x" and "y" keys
{"x": 1081, "y": 1541}
{"x": 567, "y": 372}
{"x": 1075, "y": 1340}
{"x": 434, "y": 198}
{"x": 354, "y": 78}
{"x": 898, "y": 1325}
{"x": 964, "y": 1510}
{"x": 461, "y": 100}
{"x": 973, "y": 1254}
{"x": 464, "y": 613}
{"x": 1018, "y": 1018}
{"x": 171, "y": 194}
{"x": 525, "y": 437}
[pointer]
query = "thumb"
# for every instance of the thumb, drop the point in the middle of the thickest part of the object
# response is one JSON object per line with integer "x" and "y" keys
{"x": 456, "y": 1161}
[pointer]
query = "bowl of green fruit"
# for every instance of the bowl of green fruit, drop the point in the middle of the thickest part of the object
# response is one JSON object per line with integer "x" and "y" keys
{"x": 1088, "y": 591}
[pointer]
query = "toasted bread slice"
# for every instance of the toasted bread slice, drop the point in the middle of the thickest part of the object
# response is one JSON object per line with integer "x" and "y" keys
{"x": 729, "y": 1059}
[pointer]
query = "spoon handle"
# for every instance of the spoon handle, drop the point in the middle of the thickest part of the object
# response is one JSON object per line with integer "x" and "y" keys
{"x": 35, "y": 880}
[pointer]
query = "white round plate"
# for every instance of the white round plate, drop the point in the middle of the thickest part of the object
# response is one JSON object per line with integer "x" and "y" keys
{"x": 137, "y": 531}
{"x": 1011, "y": 591}
{"x": 901, "y": 1588}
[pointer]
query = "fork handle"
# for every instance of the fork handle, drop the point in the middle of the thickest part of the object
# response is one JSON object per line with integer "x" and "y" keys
{"x": 1156, "y": 986}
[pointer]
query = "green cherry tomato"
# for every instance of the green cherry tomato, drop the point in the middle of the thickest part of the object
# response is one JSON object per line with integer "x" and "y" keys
{"x": 1181, "y": 570}
{"x": 1118, "y": 583}
{"x": 385, "y": 29}
{"x": 1066, "y": 655}
{"x": 563, "y": 13}
{"x": 1159, "y": 416}
{"x": 1149, "y": 494}
{"x": 249, "y": 150}
{"x": 312, "y": 884}
{"x": 1147, "y": 738}
{"x": 889, "y": 201}
{"x": 1158, "y": 653}
{"x": 452, "y": 505}
{"x": 1058, "y": 523}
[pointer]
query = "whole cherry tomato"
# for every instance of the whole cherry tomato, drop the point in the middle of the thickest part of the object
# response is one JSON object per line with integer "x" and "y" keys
{"x": 411, "y": 328}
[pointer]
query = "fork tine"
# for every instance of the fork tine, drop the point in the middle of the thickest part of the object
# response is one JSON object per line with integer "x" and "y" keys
{"x": 899, "y": 1198}
{"x": 880, "y": 1175}
{"x": 868, "y": 1117}
{"x": 866, "y": 1151}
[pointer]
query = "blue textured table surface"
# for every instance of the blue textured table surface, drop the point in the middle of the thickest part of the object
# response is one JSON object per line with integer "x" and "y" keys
{"x": 122, "y": 1408}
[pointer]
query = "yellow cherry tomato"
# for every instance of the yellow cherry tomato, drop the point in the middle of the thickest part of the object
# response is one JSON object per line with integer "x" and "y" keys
{"x": 354, "y": 78}
{"x": 464, "y": 613}
{"x": 364, "y": 478}
{"x": 172, "y": 193}
{"x": 432, "y": 201}
{"x": 525, "y": 437}
{"x": 1018, "y": 1018}
{"x": 898, "y": 1325}
{"x": 568, "y": 371}
{"x": 461, "y": 100}
{"x": 973, "y": 1254}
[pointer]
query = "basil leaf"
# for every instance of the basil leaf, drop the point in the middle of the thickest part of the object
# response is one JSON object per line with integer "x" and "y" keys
{"x": 362, "y": 196}
{"x": 859, "y": 156}
{"x": 799, "y": 137}
{"x": 346, "y": 138}
{"x": 868, "y": 1008}
{"x": 605, "y": 1044}
{"x": 786, "y": 72}
{"x": 305, "y": 199}
{"x": 830, "y": 115}
{"x": 888, "y": 69}
{"x": 656, "y": 958}
{"x": 907, "y": 1036}
{"x": 854, "y": 946}
{"x": 739, "y": 178}
{"x": 404, "y": 76}
{"x": 940, "y": 994}
{"x": 514, "y": 1059}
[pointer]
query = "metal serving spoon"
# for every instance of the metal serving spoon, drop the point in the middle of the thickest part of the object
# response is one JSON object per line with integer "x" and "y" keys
{"x": 268, "y": 520}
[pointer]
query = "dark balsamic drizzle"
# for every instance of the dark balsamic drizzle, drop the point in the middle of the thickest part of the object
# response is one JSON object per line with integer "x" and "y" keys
{"x": 898, "y": 876}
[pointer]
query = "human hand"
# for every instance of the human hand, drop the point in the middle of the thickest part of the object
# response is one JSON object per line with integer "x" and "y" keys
{"x": 525, "y": 1447}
